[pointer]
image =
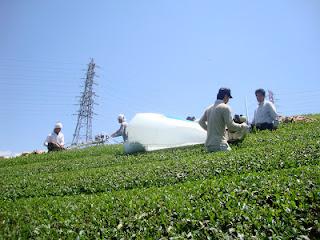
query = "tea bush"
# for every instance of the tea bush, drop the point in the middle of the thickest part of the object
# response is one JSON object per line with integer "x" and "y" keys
{"x": 266, "y": 187}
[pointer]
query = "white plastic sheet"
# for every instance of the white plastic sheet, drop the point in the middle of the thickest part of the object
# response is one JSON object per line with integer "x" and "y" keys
{"x": 151, "y": 131}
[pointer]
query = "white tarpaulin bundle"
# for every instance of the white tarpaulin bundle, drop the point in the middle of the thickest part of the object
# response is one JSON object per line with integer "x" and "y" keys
{"x": 151, "y": 131}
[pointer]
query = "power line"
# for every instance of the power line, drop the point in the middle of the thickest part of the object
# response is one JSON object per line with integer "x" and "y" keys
{"x": 37, "y": 61}
{"x": 315, "y": 91}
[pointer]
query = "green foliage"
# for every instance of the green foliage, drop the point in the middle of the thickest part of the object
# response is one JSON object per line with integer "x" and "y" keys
{"x": 267, "y": 187}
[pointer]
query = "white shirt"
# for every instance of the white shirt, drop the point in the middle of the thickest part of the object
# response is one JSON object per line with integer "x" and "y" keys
{"x": 265, "y": 113}
{"x": 122, "y": 131}
{"x": 55, "y": 138}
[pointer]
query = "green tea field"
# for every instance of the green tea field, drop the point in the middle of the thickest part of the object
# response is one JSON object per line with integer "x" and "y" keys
{"x": 267, "y": 187}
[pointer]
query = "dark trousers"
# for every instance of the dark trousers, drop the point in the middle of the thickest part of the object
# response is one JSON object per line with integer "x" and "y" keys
{"x": 264, "y": 126}
{"x": 52, "y": 147}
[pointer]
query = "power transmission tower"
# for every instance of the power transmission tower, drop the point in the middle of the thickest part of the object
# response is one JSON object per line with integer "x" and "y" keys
{"x": 83, "y": 131}
{"x": 270, "y": 94}
{"x": 272, "y": 99}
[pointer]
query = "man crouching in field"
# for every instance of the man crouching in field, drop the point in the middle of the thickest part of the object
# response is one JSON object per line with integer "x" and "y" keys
{"x": 216, "y": 119}
{"x": 265, "y": 116}
{"x": 55, "y": 140}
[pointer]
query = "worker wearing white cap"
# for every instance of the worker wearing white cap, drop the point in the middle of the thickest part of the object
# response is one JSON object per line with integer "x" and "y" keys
{"x": 55, "y": 140}
{"x": 122, "y": 131}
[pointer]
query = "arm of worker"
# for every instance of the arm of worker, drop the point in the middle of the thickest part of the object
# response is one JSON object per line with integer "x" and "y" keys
{"x": 45, "y": 143}
{"x": 61, "y": 144}
{"x": 273, "y": 113}
{"x": 231, "y": 125}
{"x": 203, "y": 120}
{"x": 119, "y": 132}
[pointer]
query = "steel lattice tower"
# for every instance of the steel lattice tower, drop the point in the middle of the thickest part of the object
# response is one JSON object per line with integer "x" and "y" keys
{"x": 83, "y": 131}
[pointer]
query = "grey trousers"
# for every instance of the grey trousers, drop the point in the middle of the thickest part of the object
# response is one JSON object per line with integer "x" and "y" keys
{"x": 237, "y": 136}
{"x": 216, "y": 148}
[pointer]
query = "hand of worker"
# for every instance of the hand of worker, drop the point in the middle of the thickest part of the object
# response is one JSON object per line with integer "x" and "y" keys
{"x": 245, "y": 126}
{"x": 55, "y": 144}
{"x": 58, "y": 145}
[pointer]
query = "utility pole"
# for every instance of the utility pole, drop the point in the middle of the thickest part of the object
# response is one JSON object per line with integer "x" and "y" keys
{"x": 83, "y": 131}
{"x": 247, "y": 113}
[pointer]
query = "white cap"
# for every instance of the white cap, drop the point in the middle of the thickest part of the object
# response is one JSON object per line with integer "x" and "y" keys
{"x": 58, "y": 125}
{"x": 121, "y": 116}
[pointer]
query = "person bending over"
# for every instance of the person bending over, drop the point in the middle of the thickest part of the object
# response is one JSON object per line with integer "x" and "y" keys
{"x": 216, "y": 119}
{"x": 55, "y": 140}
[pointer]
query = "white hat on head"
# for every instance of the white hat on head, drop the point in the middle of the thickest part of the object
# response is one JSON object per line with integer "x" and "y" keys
{"x": 58, "y": 125}
{"x": 121, "y": 116}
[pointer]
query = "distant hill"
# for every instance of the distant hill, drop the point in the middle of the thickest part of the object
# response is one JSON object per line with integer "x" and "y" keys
{"x": 267, "y": 186}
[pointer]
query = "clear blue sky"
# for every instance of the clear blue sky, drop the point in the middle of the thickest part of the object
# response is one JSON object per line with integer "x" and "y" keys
{"x": 164, "y": 56}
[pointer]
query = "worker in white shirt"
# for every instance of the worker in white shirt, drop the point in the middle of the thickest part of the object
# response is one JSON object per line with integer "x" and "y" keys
{"x": 122, "y": 131}
{"x": 55, "y": 140}
{"x": 265, "y": 116}
{"x": 216, "y": 119}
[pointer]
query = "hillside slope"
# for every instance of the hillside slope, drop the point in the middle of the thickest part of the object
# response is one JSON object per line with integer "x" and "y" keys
{"x": 268, "y": 186}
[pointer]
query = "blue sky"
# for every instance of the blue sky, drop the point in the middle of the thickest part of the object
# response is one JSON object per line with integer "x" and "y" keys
{"x": 164, "y": 56}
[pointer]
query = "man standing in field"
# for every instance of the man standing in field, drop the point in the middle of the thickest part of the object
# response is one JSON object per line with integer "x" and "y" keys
{"x": 55, "y": 140}
{"x": 122, "y": 131}
{"x": 265, "y": 116}
{"x": 216, "y": 119}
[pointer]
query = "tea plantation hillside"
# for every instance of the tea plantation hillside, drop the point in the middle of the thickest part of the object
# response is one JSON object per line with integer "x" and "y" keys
{"x": 267, "y": 187}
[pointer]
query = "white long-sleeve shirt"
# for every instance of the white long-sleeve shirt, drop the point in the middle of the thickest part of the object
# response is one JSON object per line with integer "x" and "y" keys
{"x": 122, "y": 131}
{"x": 265, "y": 113}
{"x": 55, "y": 138}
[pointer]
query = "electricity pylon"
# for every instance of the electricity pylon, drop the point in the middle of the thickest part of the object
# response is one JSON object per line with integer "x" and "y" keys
{"x": 83, "y": 131}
